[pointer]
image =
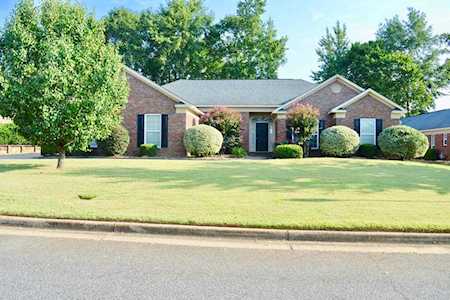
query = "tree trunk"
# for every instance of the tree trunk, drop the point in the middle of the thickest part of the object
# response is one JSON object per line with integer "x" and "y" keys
{"x": 305, "y": 147}
{"x": 61, "y": 157}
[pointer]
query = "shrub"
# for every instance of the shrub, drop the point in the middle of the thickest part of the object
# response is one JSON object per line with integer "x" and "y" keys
{"x": 368, "y": 151}
{"x": 339, "y": 141}
{"x": 432, "y": 154}
{"x": 116, "y": 143}
{"x": 203, "y": 140}
{"x": 238, "y": 152}
{"x": 288, "y": 151}
{"x": 9, "y": 135}
{"x": 403, "y": 142}
{"x": 302, "y": 118}
{"x": 148, "y": 150}
{"x": 228, "y": 122}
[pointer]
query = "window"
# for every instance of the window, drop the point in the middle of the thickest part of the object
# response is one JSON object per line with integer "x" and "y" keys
{"x": 432, "y": 141}
{"x": 368, "y": 134}
{"x": 445, "y": 139}
{"x": 314, "y": 140}
{"x": 152, "y": 130}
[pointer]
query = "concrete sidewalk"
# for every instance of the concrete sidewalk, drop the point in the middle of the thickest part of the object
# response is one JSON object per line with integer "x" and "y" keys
{"x": 229, "y": 232}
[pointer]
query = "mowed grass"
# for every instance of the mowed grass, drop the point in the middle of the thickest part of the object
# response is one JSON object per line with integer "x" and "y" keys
{"x": 316, "y": 193}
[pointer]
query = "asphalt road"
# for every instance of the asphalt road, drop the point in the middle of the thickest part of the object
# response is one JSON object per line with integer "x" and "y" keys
{"x": 43, "y": 265}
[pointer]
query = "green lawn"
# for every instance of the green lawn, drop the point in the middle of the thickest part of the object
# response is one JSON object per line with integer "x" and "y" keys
{"x": 314, "y": 193}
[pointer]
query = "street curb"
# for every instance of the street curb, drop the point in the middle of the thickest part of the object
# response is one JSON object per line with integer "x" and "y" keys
{"x": 230, "y": 232}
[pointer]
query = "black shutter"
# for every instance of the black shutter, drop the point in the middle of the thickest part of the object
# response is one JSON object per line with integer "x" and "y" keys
{"x": 321, "y": 126}
{"x": 164, "y": 131}
{"x": 289, "y": 134}
{"x": 379, "y": 128}
{"x": 356, "y": 125}
{"x": 140, "y": 130}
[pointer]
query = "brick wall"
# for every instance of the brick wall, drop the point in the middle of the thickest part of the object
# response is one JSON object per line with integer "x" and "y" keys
{"x": 143, "y": 99}
{"x": 368, "y": 108}
{"x": 325, "y": 100}
{"x": 280, "y": 125}
{"x": 245, "y": 130}
{"x": 445, "y": 150}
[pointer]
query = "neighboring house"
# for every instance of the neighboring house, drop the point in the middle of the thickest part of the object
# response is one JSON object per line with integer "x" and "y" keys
{"x": 161, "y": 114}
{"x": 436, "y": 126}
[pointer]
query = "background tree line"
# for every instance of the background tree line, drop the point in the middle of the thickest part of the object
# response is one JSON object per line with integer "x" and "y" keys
{"x": 181, "y": 40}
{"x": 406, "y": 61}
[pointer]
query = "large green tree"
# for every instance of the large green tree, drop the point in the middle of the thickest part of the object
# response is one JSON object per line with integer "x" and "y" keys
{"x": 246, "y": 46}
{"x": 121, "y": 28}
{"x": 166, "y": 44}
{"x": 181, "y": 41}
{"x": 414, "y": 36}
{"x": 173, "y": 41}
{"x": 394, "y": 74}
{"x": 333, "y": 48}
{"x": 63, "y": 85}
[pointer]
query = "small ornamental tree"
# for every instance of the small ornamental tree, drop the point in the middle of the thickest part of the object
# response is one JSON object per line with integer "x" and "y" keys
{"x": 62, "y": 85}
{"x": 228, "y": 122}
{"x": 303, "y": 119}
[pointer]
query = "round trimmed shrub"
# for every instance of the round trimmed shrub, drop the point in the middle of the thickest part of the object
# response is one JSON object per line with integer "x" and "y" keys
{"x": 368, "y": 151}
{"x": 288, "y": 151}
{"x": 402, "y": 142}
{"x": 148, "y": 150}
{"x": 116, "y": 143}
{"x": 339, "y": 141}
{"x": 228, "y": 122}
{"x": 238, "y": 152}
{"x": 203, "y": 140}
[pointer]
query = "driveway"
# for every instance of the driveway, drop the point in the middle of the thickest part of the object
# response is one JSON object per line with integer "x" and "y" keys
{"x": 59, "y": 265}
{"x": 21, "y": 156}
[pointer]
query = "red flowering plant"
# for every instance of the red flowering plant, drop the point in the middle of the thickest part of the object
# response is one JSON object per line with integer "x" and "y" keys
{"x": 228, "y": 122}
{"x": 303, "y": 121}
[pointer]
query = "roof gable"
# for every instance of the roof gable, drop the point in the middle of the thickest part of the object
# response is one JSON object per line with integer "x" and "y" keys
{"x": 178, "y": 100}
{"x": 368, "y": 92}
{"x": 319, "y": 87}
{"x": 154, "y": 85}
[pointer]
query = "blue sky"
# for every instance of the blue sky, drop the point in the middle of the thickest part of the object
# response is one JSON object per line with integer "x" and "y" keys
{"x": 304, "y": 22}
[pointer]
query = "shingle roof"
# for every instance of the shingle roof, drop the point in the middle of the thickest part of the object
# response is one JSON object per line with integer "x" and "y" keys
{"x": 433, "y": 120}
{"x": 239, "y": 92}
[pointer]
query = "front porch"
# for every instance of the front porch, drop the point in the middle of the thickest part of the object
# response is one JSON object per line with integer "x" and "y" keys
{"x": 260, "y": 131}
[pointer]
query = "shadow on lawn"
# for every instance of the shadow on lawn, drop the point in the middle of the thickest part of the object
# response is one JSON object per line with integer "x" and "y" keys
{"x": 17, "y": 167}
{"x": 324, "y": 176}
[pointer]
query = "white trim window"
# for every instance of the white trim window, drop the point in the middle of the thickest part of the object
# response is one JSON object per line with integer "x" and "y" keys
{"x": 432, "y": 141}
{"x": 445, "y": 139}
{"x": 152, "y": 129}
{"x": 368, "y": 131}
{"x": 314, "y": 140}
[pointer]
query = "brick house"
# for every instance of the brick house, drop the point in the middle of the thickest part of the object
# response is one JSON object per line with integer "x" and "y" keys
{"x": 436, "y": 126}
{"x": 161, "y": 114}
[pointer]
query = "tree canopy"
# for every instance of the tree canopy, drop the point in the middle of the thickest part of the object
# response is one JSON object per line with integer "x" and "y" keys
{"x": 394, "y": 74}
{"x": 62, "y": 84}
{"x": 403, "y": 63}
{"x": 415, "y": 37}
{"x": 182, "y": 40}
{"x": 333, "y": 48}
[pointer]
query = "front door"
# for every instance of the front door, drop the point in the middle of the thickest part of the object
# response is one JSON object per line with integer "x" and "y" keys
{"x": 262, "y": 137}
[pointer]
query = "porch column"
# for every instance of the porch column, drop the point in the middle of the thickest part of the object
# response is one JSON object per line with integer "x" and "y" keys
{"x": 281, "y": 128}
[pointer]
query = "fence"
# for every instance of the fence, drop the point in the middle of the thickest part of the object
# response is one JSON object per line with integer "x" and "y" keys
{"x": 19, "y": 149}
